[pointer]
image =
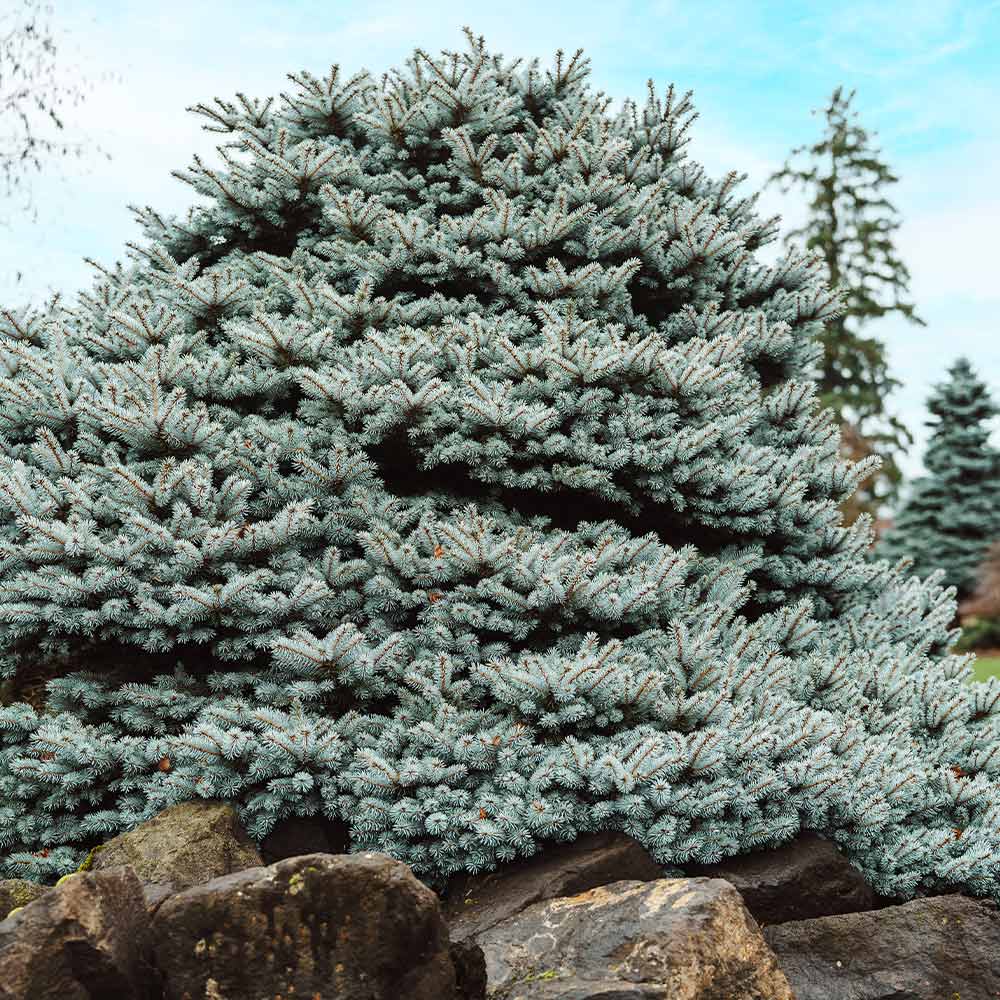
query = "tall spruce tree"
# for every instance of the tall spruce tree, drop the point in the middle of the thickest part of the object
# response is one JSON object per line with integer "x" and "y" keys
{"x": 852, "y": 226}
{"x": 457, "y": 473}
{"x": 953, "y": 515}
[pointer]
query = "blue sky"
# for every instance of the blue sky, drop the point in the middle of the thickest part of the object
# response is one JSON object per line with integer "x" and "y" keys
{"x": 926, "y": 74}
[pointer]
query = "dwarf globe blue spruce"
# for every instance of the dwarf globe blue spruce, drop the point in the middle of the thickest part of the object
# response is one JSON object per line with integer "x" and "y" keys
{"x": 953, "y": 513}
{"x": 454, "y": 473}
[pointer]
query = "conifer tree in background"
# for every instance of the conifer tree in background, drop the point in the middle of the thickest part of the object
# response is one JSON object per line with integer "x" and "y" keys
{"x": 953, "y": 514}
{"x": 457, "y": 474}
{"x": 851, "y": 224}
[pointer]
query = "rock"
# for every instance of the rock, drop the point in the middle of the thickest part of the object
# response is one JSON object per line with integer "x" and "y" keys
{"x": 470, "y": 970}
{"x": 940, "y": 947}
{"x": 298, "y": 835}
{"x": 476, "y": 902}
{"x": 350, "y": 926}
{"x": 806, "y": 878}
{"x": 672, "y": 939}
{"x": 16, "y": 892}
{"x": 182, "y": 846}
{"x": 87, "y": 938}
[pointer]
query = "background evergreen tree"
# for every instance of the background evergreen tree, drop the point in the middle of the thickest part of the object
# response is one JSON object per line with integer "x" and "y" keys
{"x": 851, "y": 224}
{"x": 953, "y": 514}
{"x": 456, "y": 472}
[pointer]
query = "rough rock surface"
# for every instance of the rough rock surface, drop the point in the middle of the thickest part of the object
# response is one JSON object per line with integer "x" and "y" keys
{"x": 560, "y": 926}
{"x": 941, "y": 948}
{"x": 806, "y": 878}
{"x": 351, "y": 926}
{"x": 85, "y": 939}
{"x": 182, "y": 846}
{"x": 470, "y": 970}
{"x": 476, "y": 902}
{"x": 16, "y": 892}
{"x": 672, "y": 939}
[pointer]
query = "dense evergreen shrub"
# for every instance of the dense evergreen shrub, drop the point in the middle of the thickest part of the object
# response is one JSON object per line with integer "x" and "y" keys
{"x": 453, "y": 473}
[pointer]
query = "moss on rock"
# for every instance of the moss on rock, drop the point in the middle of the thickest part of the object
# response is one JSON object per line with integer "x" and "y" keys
{"x": 88, "y": 861}
{"x": 16, "y": 893}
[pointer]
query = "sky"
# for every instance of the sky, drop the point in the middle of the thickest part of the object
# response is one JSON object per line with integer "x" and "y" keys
{"x": 926, "y": 76}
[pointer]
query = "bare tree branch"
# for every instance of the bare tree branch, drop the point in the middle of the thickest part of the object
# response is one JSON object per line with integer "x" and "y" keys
{"x": 30, "y": 86}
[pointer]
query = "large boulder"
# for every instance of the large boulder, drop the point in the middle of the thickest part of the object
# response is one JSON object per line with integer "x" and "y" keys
{"x": 17, "y": 892}
{"x": 941, "y": 948}
{"x": 350, "y": 926}
{"x": 672, "y": 939}
{"x": 473, "y": 903}
{"x": 87, "y": 938}
{"x": 184, "y": 845}
{"x": 470, "y": 970}
{"x": 805, "y": 878}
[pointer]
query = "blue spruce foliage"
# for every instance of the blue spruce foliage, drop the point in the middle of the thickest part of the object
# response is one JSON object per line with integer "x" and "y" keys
{"x": 455, "y": 474}
{"x": 953, "y": 514}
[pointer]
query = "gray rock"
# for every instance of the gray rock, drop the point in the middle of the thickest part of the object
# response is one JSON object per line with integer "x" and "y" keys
{"x": 16, "y": 892}
{"x": 806, "y": 878}
{"x": 182, "y": 846}
{"x": 85, "y": 939}
{"x": 672, "y": 939}
{"x": 476, "y": 902}
{"x": 940, "y": 948}
{"x": 572, "y": 988}
{"x": 350, "y": 926}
